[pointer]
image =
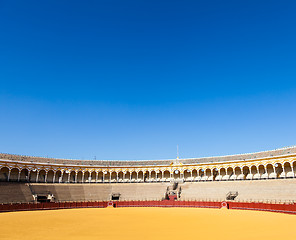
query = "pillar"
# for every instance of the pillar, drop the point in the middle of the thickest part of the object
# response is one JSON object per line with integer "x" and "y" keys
{"x": 8, "y": 177}
{"x": 37, "y": 175}
{"x": 19, "y": 175}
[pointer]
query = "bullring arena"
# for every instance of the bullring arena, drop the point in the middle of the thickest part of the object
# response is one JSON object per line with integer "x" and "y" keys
{"x": 237, "y": 196}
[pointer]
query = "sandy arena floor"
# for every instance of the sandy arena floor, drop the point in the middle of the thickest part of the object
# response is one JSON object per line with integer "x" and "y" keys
{"x": 147, "y": 223}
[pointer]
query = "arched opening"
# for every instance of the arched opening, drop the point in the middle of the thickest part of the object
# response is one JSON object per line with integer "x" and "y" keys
{"x": 270, "y": 171}
{"x": 140, "y": 176}
{"x": 120, "y": 176}
{"x": 93, "y": 177}
{"x": 294, "y": 167}
{"x": 247, "y": 173}
{"x": 187, "y": 175}
{"x": 215, "y": 173}
{"x": 24, "y": 175}
{"x": 50, "y": 175}
{"x": 107, "y": 177}
{"x": 79, "y": 176}
{"x": 100, "y": 176}
{"x": 41, "y": 176}
{"x": 33, "y": 175}
{"x": 14, "y": 174}
{"x": 72, "y": 177}
{"x": 288, "y": 170}
{"x": 166, "y": 175}
{"x": 278, "y": 170}
{"x": 254, "y": 172}
{"x": 146, "y": 176}
{"x": 262, "y": 173}
{"x": 134, "y": 176}
{"x": 176, "y": 174}
{"x": 229, "y": 171}
{"x": 208, "y": 174}
{"x": 153, "y": 176}
{"x": 4, "y": 172}
{"x": 65, "y": 176}
{"x": 86, "y": 177}
{"x": 127, "y": 176}
{"x": 223, "y": 173}
{"x": 201, "y": 174}
{"x": 194, "y": 174}
{"x": 159, "y": 175}
{"x": 114, "y": 177}
{"x": 229, "y": 174}
{"x": 238, "y": 173}
{"x": 58, "y": 176}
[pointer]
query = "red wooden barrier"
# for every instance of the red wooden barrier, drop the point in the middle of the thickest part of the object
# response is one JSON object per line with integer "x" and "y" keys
{"x": 286, "y": 208}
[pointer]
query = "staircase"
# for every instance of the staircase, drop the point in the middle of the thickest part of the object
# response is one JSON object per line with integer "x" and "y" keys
{"x": 173, "y": 191}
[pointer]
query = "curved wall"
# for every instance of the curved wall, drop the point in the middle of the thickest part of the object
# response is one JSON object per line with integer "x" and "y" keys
{"x": 280, "y": 163}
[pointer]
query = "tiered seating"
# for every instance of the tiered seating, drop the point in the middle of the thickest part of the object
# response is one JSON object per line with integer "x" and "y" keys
{"x": 277, "y": 189}
{"x": 140, "y": 191}
{"x": 15, "y": 192}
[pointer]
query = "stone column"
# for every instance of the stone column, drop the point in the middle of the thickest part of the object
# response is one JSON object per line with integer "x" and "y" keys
{"x": 19, "y": 175}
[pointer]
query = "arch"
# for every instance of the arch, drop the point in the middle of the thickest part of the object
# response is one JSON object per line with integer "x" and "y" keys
{"x": 113, "y": 177}
{"x": 288, "y": 170}
{"x": 215, "y": 173}
{"x": 4, "y": 174}
{"x": 153, "y": 175}
{"x": 229, "y": 174}
{"x": 261, "y": 169}
{"x": 86, "y": 177}
{"x": 100, "y": 176}
{"x": 239, "y": 173}
{"x": 270, "y": 171}
{"x": 50, "y": 175}
{"x": 278, "y": 170}
{"x": 194, "y": 174}
{"x": 127, "y": 176}
{"x": 254, "y": 172}
{"x": 24, "y": 175}
{"x": 146, "y": 176}
{"x": 140, "y": 176}
{"x": 229, "y": 171}
{"x": 120, "y": 176}
{"x": 166, "y": 175}
{"x": 247, "y": 173}
{"x": 72, "y": 177}
{"x": 187, "y": 174}
{"x": 42, "y": 176}
{"x": 14, "y": 175}
{"x": 33, "y": 175}
{"x": 107, "y": 177}
{"x": 79, "y": 177}
{"x": 65, "y": 176}
{"x": 58, "y": 176}
{"x": 93, "y": 177}
{"x": 262, "y": 172}
{"x": 159, "y": 175}
{"x": 223, "y": 173}
{"x": 208, "y": 174}
{"x": 200, "y": 174}
{"x": 294, "y": 167}
{"x": 176, "y": 174}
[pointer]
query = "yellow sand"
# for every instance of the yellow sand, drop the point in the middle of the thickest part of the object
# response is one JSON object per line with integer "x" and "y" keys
{"x": 147, "y": 223}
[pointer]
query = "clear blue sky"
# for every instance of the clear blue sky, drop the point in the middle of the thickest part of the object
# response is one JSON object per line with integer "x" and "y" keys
{"x": 132, "y": 79}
